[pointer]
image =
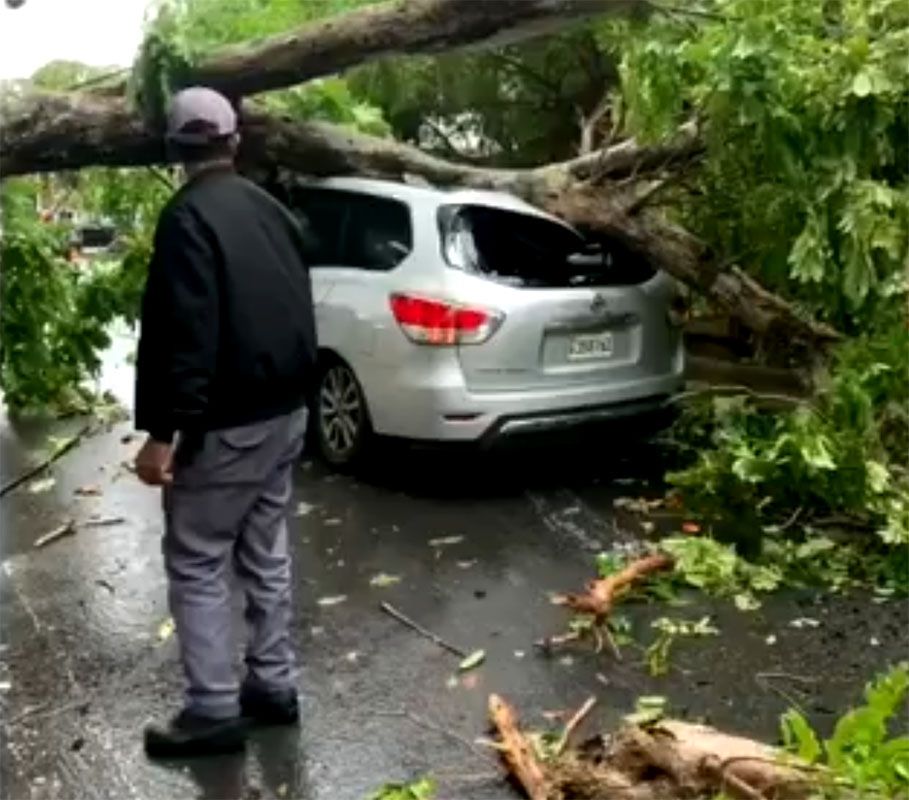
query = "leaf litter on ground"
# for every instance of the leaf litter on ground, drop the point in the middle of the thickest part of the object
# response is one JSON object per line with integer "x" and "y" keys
{"x": 42, "y": 485}
{"x": 166, "y": 630}
{"x": 446, "y": 541}
{"x": 332, "y": 600}
{"x": 472, "y": 661}
{"x": 383, "y": 580}
{"x": 303, "y": 509}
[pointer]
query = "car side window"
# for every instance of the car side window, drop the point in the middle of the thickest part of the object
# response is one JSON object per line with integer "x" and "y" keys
{"x": 378, "y": 235}
{"x": 321, "y": 213}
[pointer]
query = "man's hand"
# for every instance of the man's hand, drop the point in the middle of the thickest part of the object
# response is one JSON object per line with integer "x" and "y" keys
{"x": 154, "y": 463}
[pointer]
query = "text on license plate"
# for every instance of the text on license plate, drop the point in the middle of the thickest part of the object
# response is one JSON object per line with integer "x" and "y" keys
{"x": 594, "y": 345}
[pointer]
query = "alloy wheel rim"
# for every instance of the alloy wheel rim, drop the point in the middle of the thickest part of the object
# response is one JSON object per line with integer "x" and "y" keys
{"x": 341, "y": 411}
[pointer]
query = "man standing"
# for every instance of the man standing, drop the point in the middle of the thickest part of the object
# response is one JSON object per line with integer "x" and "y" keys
{"x": 227, "y": 350}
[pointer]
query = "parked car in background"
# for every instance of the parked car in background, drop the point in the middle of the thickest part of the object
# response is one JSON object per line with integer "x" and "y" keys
{"x": 471, "y": 316}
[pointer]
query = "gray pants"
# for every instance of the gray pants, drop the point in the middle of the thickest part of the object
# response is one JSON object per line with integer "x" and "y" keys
{"x": 225, "y": 512}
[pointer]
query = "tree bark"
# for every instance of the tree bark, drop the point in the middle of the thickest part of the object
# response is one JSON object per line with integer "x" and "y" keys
{"x": 407, "y": 27}
{"x": 44, "y": 133}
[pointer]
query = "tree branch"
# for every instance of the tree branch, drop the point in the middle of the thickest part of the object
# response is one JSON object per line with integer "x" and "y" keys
{"x": 59, "y": 132}
{"x": 409, "y": 26}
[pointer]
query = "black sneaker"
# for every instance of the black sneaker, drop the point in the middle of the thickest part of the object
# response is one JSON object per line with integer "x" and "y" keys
{"x": 270, "y": 708}
{"x": 189, "y": 735}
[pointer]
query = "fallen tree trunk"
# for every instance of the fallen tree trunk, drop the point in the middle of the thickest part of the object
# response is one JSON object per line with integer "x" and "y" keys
{"x": 409, "y": 27}
{"x": 47, "y": 132}
{"x": 669, "y": 759}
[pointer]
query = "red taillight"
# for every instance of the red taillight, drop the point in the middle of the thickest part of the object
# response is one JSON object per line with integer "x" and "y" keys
{"x": 436, "y": 322}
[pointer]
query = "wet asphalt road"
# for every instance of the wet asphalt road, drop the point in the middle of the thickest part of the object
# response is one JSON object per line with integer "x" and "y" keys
{"x": 83, "y": 665}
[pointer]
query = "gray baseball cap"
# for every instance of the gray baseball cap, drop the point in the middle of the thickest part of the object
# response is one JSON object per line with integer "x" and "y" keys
{"x": 199, "y": 115}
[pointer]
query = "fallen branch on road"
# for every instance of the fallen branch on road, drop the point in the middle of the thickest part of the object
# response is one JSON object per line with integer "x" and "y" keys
{"x": 426, "y": 634}
{"x": 602, "y": 593}
{"x": 666, "y": 760}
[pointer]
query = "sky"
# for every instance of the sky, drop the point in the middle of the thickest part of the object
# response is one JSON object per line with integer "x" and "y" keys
{"x": 96, "y": 32}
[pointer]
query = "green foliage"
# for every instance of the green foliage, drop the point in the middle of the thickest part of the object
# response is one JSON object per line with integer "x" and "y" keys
{"x": 514, "y": 106}
{"x": 41, "y": 363}
{"x": 716, "y": 569}
{"x": 863, "y": 758}
{"x": 421, "y": 789}
{"x": 803, "y": 108}
{"x": 843, "y": 454}
{"x": 184, "y": 32}
{"x": 669, "y": 630}
{"x": 55, "y": 314}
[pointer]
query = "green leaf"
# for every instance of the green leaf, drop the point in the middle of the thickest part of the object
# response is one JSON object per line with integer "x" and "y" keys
{"x": 472, "y": 661}
{"x": 861, "y": 85}
{"x": 649, "y": 709}
{"x": 384, "y": 580}
{"x": 799, "y": 737}
{"x": 422, "y": 789}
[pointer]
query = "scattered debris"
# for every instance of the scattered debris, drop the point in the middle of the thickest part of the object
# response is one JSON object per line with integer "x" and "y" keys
{"x": 519, "y": 654}
{"x": 404, "y": 620}
{"x": 42, "y": 485}
{"x": 166, "y": 630}
{"x": 466, "y": 564}
{"x": 771, "y": 639}
{"x": 805, "y": 622}
{"x": 62, "y": 447}
{"x": 89, "y": 491}
{"x": 384, "y": 580}
{"x": 303, "y": 509}
{"x": 332, "y": 600}
{"x": 602, "y": 593}
{"x": 638, "y": 505}
{"x": 446, "y": 541}
{"x": 128, "y": 438}
{"x": 332, "y": 522}
{"x": 352, "y": 657}
{"x": 103, "y": 522}
{"x": 472, "y": 661}
{"x": 572, "y": 724}
{"x": 657, "y": 655}
{"x": 746, "y": 601}
{"x": 5, "y": 686}
{"x": 66, "y": 529}
{"x": 316, "y": 630}
{"x": 691, "y": 528}
{"x": 669, "y": 759}
{"x": 77, "y": 744}
{"x": 105, "y": 585}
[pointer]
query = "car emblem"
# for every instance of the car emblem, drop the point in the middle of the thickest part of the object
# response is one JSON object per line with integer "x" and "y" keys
{"x": 598, "y": 303}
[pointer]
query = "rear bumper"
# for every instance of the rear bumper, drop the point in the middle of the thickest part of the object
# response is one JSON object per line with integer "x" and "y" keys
{"x": 645, "y": 416}
{"x": 427, "y": 400}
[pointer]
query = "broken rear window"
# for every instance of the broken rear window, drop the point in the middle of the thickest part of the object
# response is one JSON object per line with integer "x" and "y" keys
{"x": 528, "y": 251}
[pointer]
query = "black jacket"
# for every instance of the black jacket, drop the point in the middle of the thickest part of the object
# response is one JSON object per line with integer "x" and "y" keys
{"x": 228, "y": 336}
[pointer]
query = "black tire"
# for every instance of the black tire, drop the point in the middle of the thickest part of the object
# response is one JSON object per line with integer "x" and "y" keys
{"x": 343, "y": 430}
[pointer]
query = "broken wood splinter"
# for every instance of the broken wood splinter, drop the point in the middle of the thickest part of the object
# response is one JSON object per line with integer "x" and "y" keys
{"x": 66, "y": 529}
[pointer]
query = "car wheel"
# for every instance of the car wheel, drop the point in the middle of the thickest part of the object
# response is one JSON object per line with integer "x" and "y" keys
{"x": 343, "y": 428}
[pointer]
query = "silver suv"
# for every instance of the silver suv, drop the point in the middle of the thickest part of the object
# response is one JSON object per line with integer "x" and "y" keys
{"x": 472, "y": 316}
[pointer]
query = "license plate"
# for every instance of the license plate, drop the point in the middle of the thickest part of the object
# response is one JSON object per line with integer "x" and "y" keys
{"x": 594, "y": 345}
